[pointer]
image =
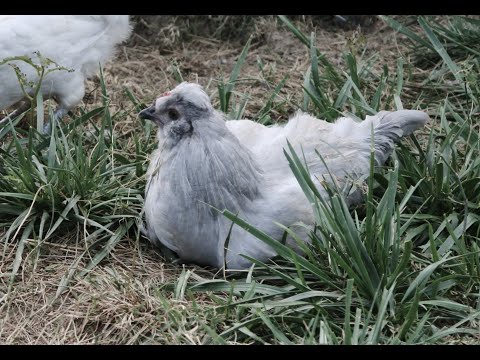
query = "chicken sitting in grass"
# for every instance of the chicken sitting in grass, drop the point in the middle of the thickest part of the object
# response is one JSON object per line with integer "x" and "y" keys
{"x": 204, "y": 164}
{"x": 78, "y": 43}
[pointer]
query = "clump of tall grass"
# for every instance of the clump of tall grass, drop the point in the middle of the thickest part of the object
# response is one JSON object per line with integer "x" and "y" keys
{"x": 460, "y": 37}
{"x": 81, "y": 182}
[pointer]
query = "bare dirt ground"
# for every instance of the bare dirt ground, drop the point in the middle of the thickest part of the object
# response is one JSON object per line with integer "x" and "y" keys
{"x": 121, "y": 300}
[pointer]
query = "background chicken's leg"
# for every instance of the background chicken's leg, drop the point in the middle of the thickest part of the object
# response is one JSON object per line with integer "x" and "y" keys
{"x": 24, "y": 106}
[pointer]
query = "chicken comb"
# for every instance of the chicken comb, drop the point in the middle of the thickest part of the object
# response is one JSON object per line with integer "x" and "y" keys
{"x": 167, "y": 93}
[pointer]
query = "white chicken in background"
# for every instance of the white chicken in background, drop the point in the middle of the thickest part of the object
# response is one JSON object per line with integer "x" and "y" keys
{"x": 239, "y": 165}
{"x": 77, "y": 42}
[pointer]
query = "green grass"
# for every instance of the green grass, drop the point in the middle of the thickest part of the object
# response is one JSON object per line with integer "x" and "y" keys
{"x": 84, "y": 181}
{"x": 403, "y": 268}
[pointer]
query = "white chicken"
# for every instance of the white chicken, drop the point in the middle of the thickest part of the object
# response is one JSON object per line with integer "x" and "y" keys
{"x": 203, "y": 161}
{"x": 77, "y": 42}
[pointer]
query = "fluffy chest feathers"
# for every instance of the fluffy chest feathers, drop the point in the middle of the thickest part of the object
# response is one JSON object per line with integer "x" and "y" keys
{"x": 186, "y": 182}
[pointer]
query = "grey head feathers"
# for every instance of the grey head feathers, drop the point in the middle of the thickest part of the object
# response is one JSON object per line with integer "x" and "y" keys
{"x": 179, "y": 112}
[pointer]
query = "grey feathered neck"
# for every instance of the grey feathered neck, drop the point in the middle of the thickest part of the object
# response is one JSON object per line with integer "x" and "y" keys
{"x": 212, "y": 167}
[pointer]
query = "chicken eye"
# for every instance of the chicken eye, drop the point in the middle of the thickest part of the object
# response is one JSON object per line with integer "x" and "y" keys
{"x": 173, "y": 114}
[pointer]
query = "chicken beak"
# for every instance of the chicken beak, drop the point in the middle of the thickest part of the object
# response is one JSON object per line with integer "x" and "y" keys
{"x": 148, "y": 113}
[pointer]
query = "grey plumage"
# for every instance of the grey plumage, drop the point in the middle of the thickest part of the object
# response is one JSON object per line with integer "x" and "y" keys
{"x": 204, "y": 162}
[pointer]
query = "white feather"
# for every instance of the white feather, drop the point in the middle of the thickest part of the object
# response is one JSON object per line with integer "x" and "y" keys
{"x": 77, "y": 42}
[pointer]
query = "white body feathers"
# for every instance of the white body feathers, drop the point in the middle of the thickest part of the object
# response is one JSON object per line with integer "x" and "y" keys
{"x": 78, "y": 42}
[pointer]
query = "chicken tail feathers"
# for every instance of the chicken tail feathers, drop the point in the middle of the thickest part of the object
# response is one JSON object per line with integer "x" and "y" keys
{"x": 390, "y": 127}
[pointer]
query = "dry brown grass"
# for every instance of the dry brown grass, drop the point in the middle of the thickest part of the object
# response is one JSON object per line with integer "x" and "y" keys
{"x": 121, "y": 301}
